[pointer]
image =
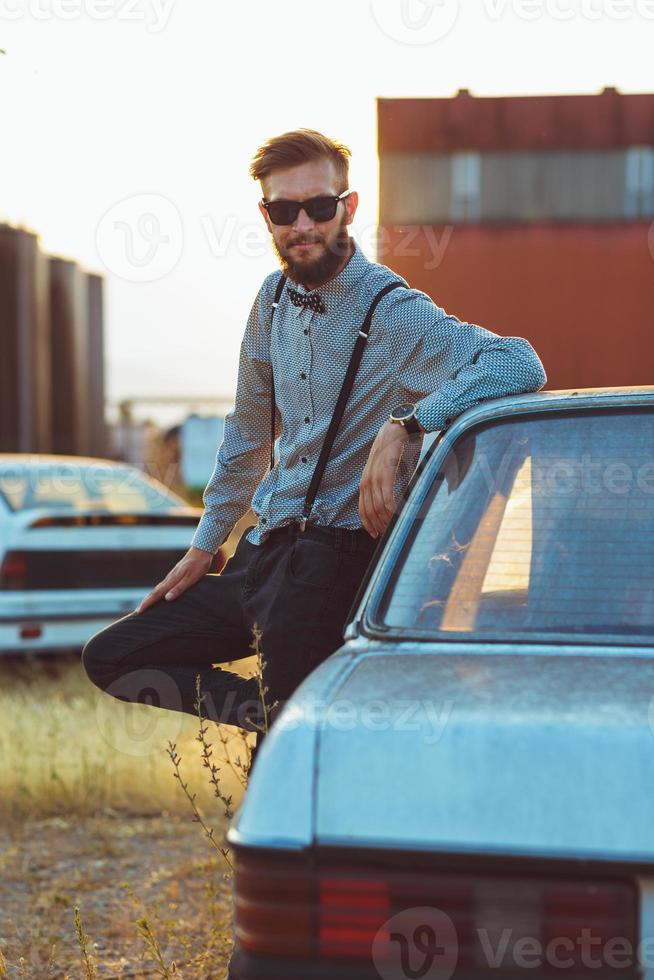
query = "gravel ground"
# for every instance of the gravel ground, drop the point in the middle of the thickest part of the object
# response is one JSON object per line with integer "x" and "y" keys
{"x": 115, "y": 868}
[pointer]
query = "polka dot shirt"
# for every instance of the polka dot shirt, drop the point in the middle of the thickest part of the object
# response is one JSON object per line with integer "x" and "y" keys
{"x": 416, "y": 353}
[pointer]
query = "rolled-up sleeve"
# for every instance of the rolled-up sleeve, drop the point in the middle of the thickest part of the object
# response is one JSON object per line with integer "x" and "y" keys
{"x": 447, "y": 365}
{"x": 244, "y": 454}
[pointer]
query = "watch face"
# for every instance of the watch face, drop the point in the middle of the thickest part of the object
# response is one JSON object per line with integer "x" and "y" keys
{"x": 403, "y": 412}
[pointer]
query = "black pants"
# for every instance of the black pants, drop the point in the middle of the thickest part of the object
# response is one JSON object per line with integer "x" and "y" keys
{"x": 296, "y": 587}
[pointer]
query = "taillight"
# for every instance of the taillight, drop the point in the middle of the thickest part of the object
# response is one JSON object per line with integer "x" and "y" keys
{"x": 351, "y": 910}
{"x": 570, "y": 912}
{"x": 275, "y": 907}
{"x": 13, "y": 572}
{"x": 477, "y": 921}
{"x": 30, "y": 632}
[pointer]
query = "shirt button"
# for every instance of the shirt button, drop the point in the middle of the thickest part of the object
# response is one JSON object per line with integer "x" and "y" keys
{"x": 304, "y": 459}
{"x": 307, "y": 419}
{"x": 306, "y": 331}
{"x": 303, "y": 376}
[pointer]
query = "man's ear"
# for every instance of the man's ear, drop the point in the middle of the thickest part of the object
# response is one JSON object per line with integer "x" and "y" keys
{"x": 265, "y": 216}
{"x": 351, "y": 203}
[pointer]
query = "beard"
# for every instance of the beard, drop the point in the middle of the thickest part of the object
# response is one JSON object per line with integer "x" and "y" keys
{"x": 316, "y": 272}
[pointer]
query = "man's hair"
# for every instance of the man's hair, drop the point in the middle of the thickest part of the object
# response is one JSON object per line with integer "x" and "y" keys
{"x": 297, "y": 147}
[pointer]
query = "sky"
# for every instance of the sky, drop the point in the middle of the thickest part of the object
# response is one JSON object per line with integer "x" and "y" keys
{"x": 127, "y": 127}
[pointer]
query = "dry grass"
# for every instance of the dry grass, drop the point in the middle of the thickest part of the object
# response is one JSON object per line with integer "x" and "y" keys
{"x": 151, "y": 898}
{"x": 92, "y": 818}
{"x": 68, "y": 748}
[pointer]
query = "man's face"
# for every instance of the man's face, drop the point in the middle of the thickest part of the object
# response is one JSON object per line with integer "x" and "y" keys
{"x": 310, "y": 252}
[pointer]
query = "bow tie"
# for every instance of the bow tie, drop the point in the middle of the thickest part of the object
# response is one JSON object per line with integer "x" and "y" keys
{"x": 311, "y": 300}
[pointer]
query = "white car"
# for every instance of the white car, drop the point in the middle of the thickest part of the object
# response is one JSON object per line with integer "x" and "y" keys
{"x": 81, "y": 542}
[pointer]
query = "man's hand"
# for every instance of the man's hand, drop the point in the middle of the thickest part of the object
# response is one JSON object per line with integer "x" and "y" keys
{"x": 376, "y": 499}
{"x": 186, "y": 572}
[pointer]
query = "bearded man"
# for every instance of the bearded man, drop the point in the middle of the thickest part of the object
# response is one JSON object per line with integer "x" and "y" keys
{"x": 321, "y": 507}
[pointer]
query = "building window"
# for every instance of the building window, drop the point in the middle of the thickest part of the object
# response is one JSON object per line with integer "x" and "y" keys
{"x": 465, "y": 202}
{"x": 519, "y": 186}
{"x": 639, "y": 182}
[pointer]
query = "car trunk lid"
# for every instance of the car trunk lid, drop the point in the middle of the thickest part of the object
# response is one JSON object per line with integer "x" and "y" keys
{"x": 544, "y": 754}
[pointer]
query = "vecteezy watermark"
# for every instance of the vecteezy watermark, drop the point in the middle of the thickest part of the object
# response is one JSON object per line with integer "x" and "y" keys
{"x": 418, "y": 942}
{"x": 425, "y": 719}
{"x": 408, "y": 241}
{"x": 565, "y": 477}
{"x": 589, "y": 480}
{"x": 76, "y": 484}
{"x": 512, "y": 949}
{"x": 155, "y": 14}
{"x": 567, "y": 10}
{"x": 560, "y": 475}
{"x": 415, "y": 21}
{"x": 134, "y": 730}
{"x": 420, "y": 22}
{"x": 252, "y": 240}
{"x": 140, "y": 238}
{"x": 423, "y": 942}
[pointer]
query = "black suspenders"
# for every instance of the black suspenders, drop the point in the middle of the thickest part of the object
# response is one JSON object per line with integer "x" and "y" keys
{"x": 344, "y": 394}
{"x": 278, "y": 296}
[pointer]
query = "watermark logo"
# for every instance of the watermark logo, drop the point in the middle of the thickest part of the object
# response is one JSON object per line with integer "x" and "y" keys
{"x": 424, "y": 720}
{"x": 228, "y": 236}
{"x": 131, "y": 728}
{"x": 141, "y": 238}
{"x": 154, "y": 14}
{"x": 415, "y": 21}
{"x": 416, "y": 943}
{"x": 567, "y": 10}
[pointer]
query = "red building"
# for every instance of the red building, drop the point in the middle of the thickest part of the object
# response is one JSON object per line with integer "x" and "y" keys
{"x": 532, "y": 216}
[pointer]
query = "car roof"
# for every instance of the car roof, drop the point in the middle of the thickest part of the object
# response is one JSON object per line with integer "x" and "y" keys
{"x": 617, "y": 391}
{"x": 556, "y": 399}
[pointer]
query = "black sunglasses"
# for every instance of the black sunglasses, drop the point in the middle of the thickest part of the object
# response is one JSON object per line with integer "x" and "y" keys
{"x": 317, "y": 208}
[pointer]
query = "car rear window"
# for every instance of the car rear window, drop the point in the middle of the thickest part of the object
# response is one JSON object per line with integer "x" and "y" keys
{"x": 534, "y": 525}
{"x": 72, "y": 486}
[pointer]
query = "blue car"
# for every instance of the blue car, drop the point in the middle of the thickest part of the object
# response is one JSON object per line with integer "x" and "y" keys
{"x": 466, "y": 787}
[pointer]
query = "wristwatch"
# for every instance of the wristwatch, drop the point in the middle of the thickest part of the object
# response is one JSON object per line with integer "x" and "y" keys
{"x": 406, "y": 415}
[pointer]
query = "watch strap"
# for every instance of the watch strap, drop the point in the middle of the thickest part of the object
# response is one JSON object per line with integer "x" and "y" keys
{"x": 412, "y": 426}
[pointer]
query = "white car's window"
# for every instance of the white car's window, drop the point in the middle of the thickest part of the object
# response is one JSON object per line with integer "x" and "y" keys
{"x": 73, "y": 486}
{"x": 535, "y": 525}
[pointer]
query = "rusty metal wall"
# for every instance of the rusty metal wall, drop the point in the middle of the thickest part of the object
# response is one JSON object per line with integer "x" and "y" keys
{"x": 70, "y": 358}
{"x": 25, "y": 420}
{"x": 585, "y": 301}
{"x": 97, "y": 430}
{"x": 581, "y": 289}
{"x": 51, "y": 351}
{"x": 530, "y": 122}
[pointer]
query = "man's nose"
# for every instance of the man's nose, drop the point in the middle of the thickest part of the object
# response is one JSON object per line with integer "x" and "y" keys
{"x": 303, "y": 222}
